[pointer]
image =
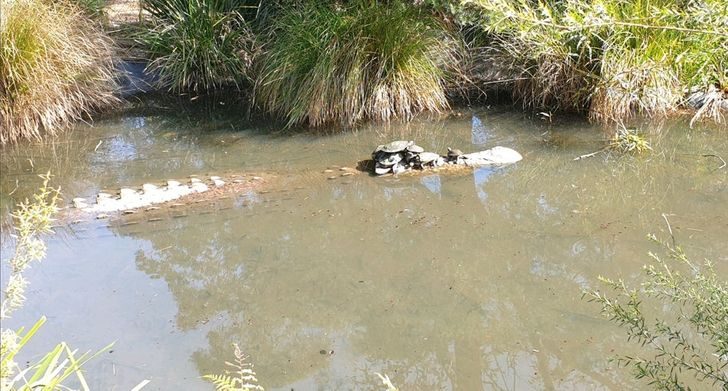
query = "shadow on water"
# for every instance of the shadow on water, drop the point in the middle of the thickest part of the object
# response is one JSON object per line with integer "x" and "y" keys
{"x": 442, "y": 281}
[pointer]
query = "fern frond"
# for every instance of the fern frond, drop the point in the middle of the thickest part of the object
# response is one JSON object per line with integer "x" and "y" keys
{"x": 241, "y": 378}
{"x": 222, "y": 382}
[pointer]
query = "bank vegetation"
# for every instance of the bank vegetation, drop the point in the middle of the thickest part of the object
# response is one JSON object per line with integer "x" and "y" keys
{"x": 56, "y": 67}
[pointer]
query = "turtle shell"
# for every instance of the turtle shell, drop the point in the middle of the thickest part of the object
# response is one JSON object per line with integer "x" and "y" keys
{"x": 377, "y": 152}
{"x": 390, "y": 160}
{"x": 428, "y": 157}
{"x": 381, "y": 170}
{"x": 414, "y": 148}
{"x": 453, "y": 153}
{"x": 395, "y": 146}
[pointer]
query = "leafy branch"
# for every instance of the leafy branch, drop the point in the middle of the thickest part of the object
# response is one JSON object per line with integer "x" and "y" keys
{"x": 689, "y": 338}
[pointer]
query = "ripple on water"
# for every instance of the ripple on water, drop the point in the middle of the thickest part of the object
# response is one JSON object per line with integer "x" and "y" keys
{"x": 442, "y": 281}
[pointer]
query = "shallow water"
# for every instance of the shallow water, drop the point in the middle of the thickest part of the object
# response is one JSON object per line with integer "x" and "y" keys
{"x": 443, "y": 281}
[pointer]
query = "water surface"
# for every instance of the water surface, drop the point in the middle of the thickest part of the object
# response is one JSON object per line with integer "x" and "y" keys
{"x": 442, "y": 281}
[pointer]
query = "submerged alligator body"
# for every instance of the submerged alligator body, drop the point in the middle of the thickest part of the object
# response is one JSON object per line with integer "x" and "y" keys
{"x": 128, "y": 199}
{"x": 407, "y": 158}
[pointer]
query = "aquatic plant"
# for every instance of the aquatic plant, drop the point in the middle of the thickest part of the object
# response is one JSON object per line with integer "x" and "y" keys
{"x": 610, "y": 58}
{"x": 241, "y": 378}
{"x": 688, "y": 338}
{"x": 347, "y": 62}
{"x": 55, "y": 67}
{"x": 627, "y": 140}
{"x": 198, "y": 45}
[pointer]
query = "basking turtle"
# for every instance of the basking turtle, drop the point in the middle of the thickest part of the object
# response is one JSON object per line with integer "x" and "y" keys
{"x": 411, "y": 157}
{"x": 453, "y": 155}
{"x": 377, "y": 152}
{"x": 394, "y": 146}
{"x": 390, "y": 159}
{"x": 399, "y": 168}
{"x": 427, "y": 158}
{"x": 381, "y": 170}
{"x": 414, "y": 148}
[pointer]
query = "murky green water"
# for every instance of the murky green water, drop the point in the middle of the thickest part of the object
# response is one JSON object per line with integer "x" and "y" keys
{"x": 467, "y": 281}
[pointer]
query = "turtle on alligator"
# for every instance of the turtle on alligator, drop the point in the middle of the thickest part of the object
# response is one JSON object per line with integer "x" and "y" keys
{"x": 453, "y": 154}
{"x": 396, "y": 157}
{"x": 402, "y": 156}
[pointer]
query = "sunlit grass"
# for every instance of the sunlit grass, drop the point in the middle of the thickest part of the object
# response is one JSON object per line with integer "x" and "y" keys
{"x": 350, "y": 62}
{"x": 55, "y": 67}
{"x": 198, "y": 45}
{"x": 611, "y": 58}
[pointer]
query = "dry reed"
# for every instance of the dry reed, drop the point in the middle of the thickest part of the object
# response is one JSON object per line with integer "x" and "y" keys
{"x": 56, "y": 67}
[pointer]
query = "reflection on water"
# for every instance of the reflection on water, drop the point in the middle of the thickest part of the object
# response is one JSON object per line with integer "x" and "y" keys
{"x": 432, "y": 183}
{"x": 443, "y": 281}
{"x": 479, "y": 133}
{"x": 480, "y": 177}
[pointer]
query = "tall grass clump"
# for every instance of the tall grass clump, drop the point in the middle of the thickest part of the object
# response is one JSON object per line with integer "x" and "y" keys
{"x": 198, "y": 45}
{"x": 55, "y": 67}
{"x": 346, "y": 62}
{"x": 611, "y": 58}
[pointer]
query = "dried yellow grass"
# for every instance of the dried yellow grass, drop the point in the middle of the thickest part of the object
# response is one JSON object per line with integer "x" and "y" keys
{"x": 56, "y": 66}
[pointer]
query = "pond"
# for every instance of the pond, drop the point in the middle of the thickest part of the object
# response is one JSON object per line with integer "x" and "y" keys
{"x": 463, "y": 281}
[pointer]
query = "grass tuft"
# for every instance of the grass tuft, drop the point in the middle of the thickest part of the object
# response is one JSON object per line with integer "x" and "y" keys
{"x": 198, "y": 45}
{"x": 55, "y": 67}
{"x": 611, "y": 58}
{"x": 355, "y": 61}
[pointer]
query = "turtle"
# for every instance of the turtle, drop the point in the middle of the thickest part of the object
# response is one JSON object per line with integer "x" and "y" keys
{"x": 390, "y": 159}
{"x": 377, "y": 152}
{"x": 399, "y": 168}
{"x": 394, "y": 146}
{"x": 381, "y": 170}
{"x": 428, "y": 158}
{"x": 379, "y": 155}
{"x": 411, "y": 157}
{"x": 453, "y": 154}
{"x": 414, "y": 148}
